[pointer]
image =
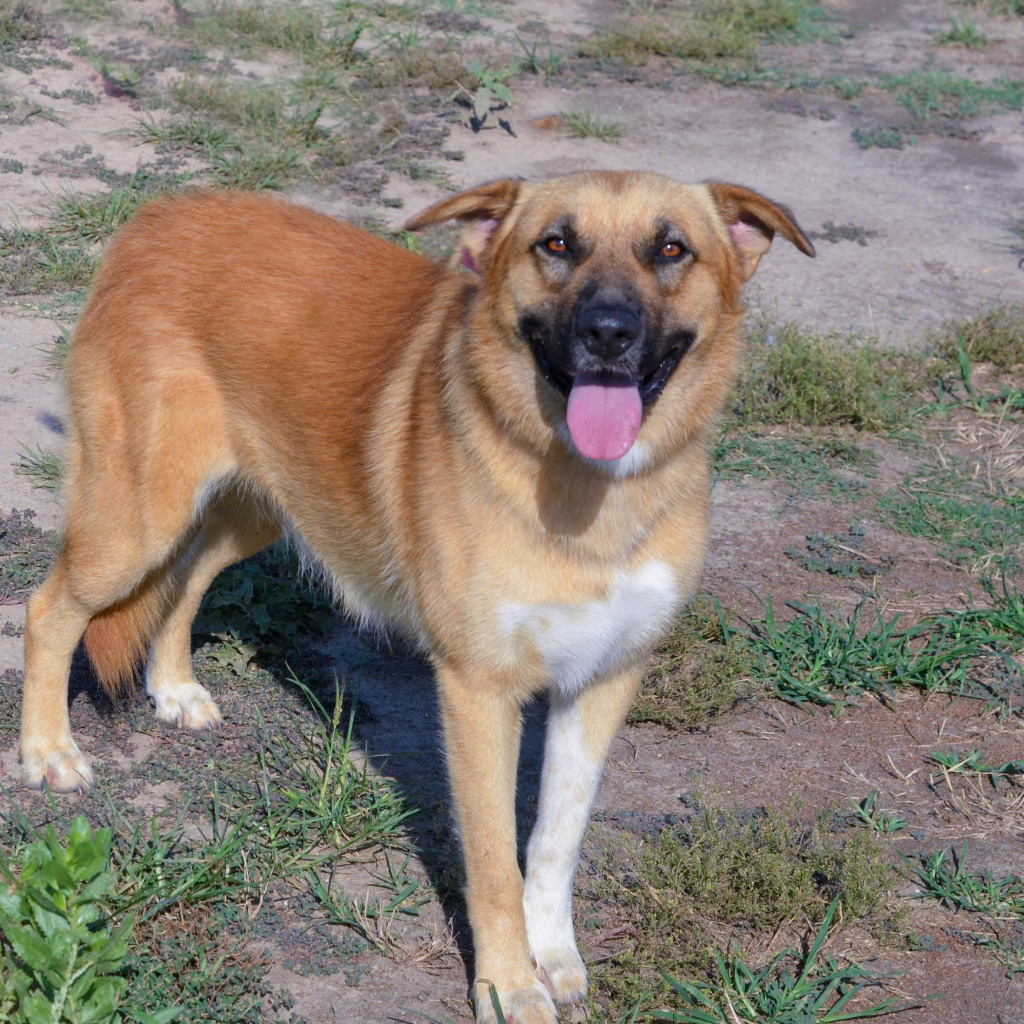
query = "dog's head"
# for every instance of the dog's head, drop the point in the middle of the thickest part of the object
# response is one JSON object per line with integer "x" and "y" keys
{"x": 614, "y": 282}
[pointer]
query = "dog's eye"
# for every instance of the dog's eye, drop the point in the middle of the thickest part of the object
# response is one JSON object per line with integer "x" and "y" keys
{"x": 556, "y": 245}
{"x": 671, "y": 251}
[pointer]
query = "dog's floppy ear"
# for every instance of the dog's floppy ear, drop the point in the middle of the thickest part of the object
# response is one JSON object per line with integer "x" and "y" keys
{"x": 480, "y": 210}
{"x": 752, "y": 221}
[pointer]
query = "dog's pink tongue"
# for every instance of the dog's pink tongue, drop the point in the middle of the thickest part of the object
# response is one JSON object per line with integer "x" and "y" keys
{"x": 604, "y": 416}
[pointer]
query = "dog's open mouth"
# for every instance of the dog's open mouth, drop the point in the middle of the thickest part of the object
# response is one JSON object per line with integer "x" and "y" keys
{"x": 604, "y": 411}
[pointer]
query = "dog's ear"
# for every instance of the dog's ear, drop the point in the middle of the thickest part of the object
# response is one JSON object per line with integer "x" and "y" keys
{"x": 752, "y": 221}
{"x": 480, "y": 210}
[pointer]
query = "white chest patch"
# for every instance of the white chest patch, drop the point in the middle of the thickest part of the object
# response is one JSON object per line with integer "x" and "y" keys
{"x": 580, "y": 642}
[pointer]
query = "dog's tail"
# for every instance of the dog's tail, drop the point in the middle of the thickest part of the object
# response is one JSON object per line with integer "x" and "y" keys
{"x": 116, "y": 640}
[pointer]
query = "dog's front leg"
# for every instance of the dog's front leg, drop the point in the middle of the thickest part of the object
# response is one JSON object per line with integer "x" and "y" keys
{"x": 482, "y": 727}
{"x": 579, "y": 732}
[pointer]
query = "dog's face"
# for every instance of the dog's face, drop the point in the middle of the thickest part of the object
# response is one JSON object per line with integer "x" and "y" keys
{"x": 612, "y": 281}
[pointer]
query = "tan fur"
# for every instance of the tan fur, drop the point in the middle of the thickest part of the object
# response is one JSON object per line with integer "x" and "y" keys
{"x": 245, "y": 367}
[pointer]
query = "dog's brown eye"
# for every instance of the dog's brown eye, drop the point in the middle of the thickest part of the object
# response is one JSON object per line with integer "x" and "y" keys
{"x": 556, "y": 245}
{"x": 671, "y": 251}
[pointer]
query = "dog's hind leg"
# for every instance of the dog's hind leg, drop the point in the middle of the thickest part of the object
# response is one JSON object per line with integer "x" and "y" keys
{"x": 234, "y": 527}
{"x": 139, "y": 462}
{"x": 579, "y": 732}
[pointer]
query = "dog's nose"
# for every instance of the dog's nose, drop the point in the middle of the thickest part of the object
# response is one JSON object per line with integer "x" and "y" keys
{"x": 607, "y": 331}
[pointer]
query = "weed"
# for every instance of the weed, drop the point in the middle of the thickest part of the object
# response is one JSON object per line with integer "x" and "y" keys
{"x": 26, "y": 555}
{"x": 812, "y": 994}
{"x": 590, "y": 126}
{"x": 729, "y": 873}
{"x": 944, "y": 877}
{"x": 699, "y": 674}
{"x": 262, "y": 600}
{"x": 962, "y": 32}
{"x": 970, "y": 762}
{"x": 65, "y": 954}
{"x": 882, "y": 138}
{"x": 532, "y": 61}
{"x": 839, "y": 555}
{"x": 490, "y": 94}
{"x": 933, "y": 93}
{"x": 823, "y": 658}
{"x": 870, "y": 814}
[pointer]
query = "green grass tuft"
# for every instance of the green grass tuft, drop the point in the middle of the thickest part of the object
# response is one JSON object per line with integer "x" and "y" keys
{"x": 995, "y": 336}
{"x": 962, "y": 32}
{"x": 934, "y": 93}
{"x": 726, "y": 874}
{"x": 797, "y": 378}
{"x": 699, "y": 30}
{"x": 590, "y": 126}
{"x": 700, "y": 673}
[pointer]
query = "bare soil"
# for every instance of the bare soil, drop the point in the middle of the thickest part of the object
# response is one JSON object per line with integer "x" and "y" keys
{"x": 929, "y": 235}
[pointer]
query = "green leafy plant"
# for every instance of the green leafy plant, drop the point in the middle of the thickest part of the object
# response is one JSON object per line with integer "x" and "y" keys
{"x": 62, "y": 950}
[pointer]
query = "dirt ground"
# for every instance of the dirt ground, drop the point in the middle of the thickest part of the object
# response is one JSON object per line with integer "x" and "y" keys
{"x": 907, "y": 238}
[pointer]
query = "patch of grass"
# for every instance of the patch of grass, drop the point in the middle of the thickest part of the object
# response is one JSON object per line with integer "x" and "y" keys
{"x": 1005, "y": 7}
{"x": 821, "y": 657}
{"x": 255, "y": 25}
{"x": 995, "y": 336}
{"x": 42, "y": 466}
{"x": 20, "y": 22}
{"x": 962, "y": 32}
{"x": 700, "y": 30}
{"x": 881, "y": 137}
{"x": 590, "y": 126}
{"x": 700, "y": 674}
{"x": 35, "y": 261}
{"x": 727, "y": 875}
{"x": 933, "y": 93}
{"x": 796, "y": 378}
{"x": 969, "y": 524}
{"x": 815, "y": 468}
{"x": 809, "y": 992}
{"x": 26, "y": 554}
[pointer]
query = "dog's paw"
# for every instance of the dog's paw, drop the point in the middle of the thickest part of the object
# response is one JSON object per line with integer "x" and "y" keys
{"x": 188, "y": 706}
{"x": 563, "y": 974}
{"x": 531, "y": 1005}
{"x": 64, "y": 770}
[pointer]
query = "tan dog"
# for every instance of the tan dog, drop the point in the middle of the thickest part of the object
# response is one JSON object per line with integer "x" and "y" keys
{"x": 509, "y": 466}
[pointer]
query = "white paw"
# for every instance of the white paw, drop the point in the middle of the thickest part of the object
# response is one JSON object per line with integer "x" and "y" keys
{"x": 187, "y": 706}
{"x": 531, "y": 1005}
{"x": 64, "y": 770}
{"x": 563, "y": 974}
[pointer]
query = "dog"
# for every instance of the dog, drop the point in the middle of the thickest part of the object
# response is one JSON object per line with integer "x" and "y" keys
{"x": 509, "y": 464}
